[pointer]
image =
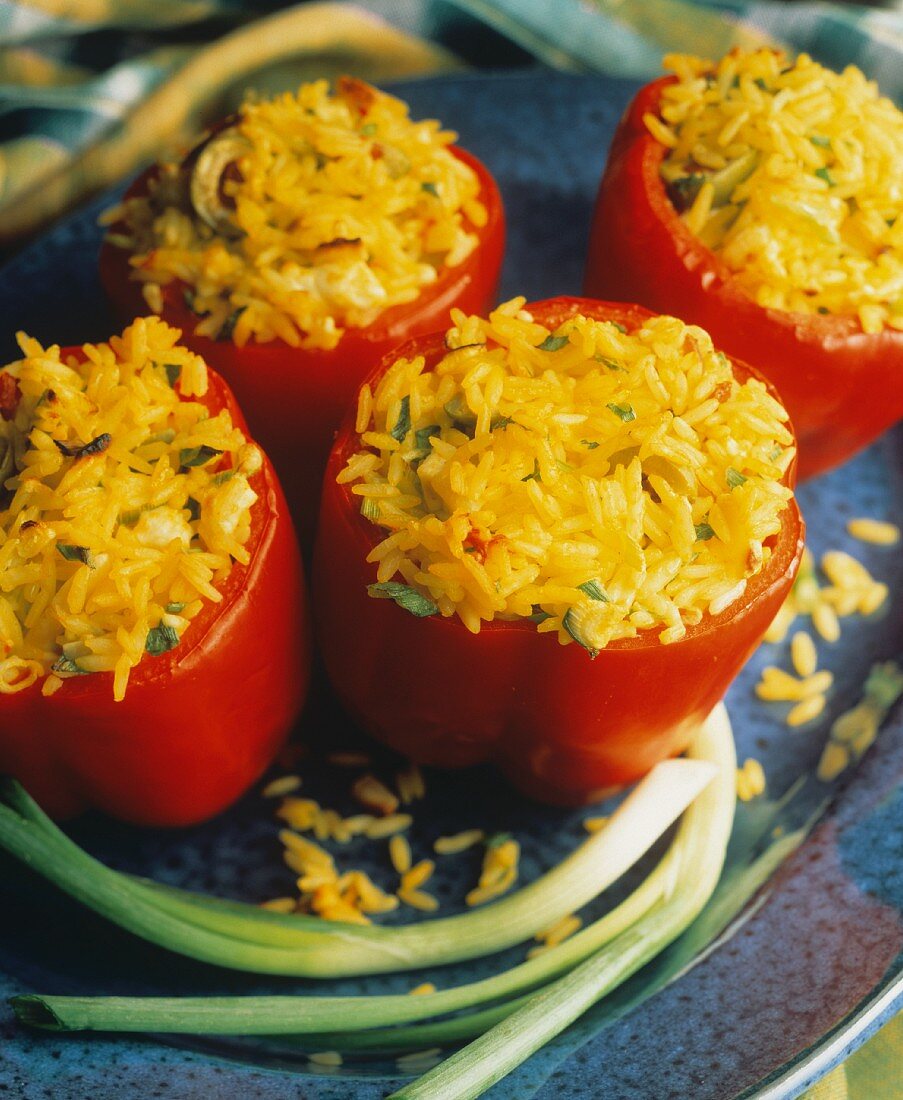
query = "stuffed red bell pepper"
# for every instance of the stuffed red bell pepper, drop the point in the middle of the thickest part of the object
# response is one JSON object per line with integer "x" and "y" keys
{"x": 298, "y": 244}
{"x": 550, "y": 540}
{"x": 759, "y": 198}
{"x": 153, "y": 627}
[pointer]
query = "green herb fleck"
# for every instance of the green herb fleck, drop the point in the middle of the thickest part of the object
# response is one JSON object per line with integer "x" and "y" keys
{"x": 160, "y": 639}
{"x": 538, "y": 615}
{"x": 775, "y": 453}
{"x": 568, "y": 623}
{"x": 496, "y": 840}
{"x": 820, "y": 141}
{"x": 403, "y": 423}
{"x": 194, "y": 508}
{"x": 823, "y": 310}
{"x": 74, "y": 553}
{"x": 67, "y": 667}
{"x": 610, "y": 363}
{"x": 625, "y": 412}
{"x": 368, "y": 130}
{"x": 824, "y": 174}
{"x": 370, "y": 509}
{"x": 553, "y": 343}
{"x": 704, "y": 532}
{"x": 499, "y": 423}
{"x": 174, "y": 608}
{"x": 173, "y": 371}
{"x": 222, "y": 477}
{"x": 423, "y": 436}
{"x": 594, "y": 590}
{"x": 619, "y": 327}
{"x": 228, "y": 326}
{"x": 406, "y": 597}
{"x": 430, "y": 188}
{"x": 535, "y": 476}
{"x": 734, "y": 477}
{"x": 197, "y": 456}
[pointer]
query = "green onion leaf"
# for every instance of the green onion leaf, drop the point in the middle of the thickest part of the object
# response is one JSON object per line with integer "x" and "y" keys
{"x": 568, "y": 623}
{"x": 65, "y": 666}
{"x": 734, "y": 477}
{"x": 704, "y": 532}
{"x": 403, "y": 423}
{"x": 222, "y": 477}
{"x": 370, "y": 509}
{"x": 74, "y": 553}
{"x": 590, "y": 444}
{"x": 160, "y": 639}
{"x": 174, "y": 608}
{"x": 173, "y": 371}
{"x": 538, "y": 615}
{"x": 824, "y": 174}
{"x": 594, "y": 590}
{"x": 619, "y": 327}
{"x": 625, "y": 412}
{"x": 197, "y": 456}
{"x": 553, "y": 343}
{"x": 406, "y": 597}
{"x": 430, "y": 188}
{"x": 610, "y": 363}
{"x": 535, "y": 475}
{"x": 423, "y": 436}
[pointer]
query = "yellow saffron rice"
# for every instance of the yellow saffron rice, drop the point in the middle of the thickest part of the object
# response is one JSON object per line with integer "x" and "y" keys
{"x": 791, "y": 173}
{"x": 600, "y": 482}
{"x": 122, "y": 506}
{"x": 312, "y": 213}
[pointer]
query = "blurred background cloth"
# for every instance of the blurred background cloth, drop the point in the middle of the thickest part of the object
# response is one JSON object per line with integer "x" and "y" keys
{"x": 92, "y": 90}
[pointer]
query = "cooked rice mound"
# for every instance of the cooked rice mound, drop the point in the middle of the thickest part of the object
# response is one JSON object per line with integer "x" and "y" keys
{"x": 602, "y": 483}
{"x": 122, "y": 505}
{"x": 312, "y": 213}
{"x": 793, "y": 175}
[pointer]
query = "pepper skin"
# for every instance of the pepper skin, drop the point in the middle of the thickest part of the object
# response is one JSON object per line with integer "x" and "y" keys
{"x": 563, "y": 727}
{"x": 295, "y": 398}
{"x": 198, "y": 724}
{"x": 842, "y": 387}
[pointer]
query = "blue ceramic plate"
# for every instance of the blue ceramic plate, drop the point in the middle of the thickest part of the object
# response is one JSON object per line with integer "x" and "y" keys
{"x": 808, "y": 971}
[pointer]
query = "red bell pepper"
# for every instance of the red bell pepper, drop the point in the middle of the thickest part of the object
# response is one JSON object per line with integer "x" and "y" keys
{"x": 842, "y": 387}
{"x": 294, "y": 398}
{"x": 199, "y": 723}
{"x": 562, "y": 726}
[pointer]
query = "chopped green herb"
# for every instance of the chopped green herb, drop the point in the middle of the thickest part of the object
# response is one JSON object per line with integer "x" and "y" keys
{"x": 535, "y": 476}
{"x": 67, "y": 667}
{"x": 197, "y": 456}
{"x": 194, "y": 508}
{"x": 160, "y": 639}
{"x": 174, "y": 608}
{"x": 590, "y": 444}
{"x": 625, "y": 412}
{"x": 570, "y": 626}
{"x": 430, "y": 188}
{"x": 228, "y": 326}
{"x": 173, "y": 371}
{"x": 683, "y": 191}
{"x": 823, "y": 310}
{"x": 734, "y": 477}
{"x": 423, "y": 435}
{"x": 403, "y": 423}
{"x": 496, "y": 840}
{"x": 553, "y": 343}
{"x": 775, "y": 453}
{"x": 821, "y": 142}
{"x": 222, "y": 477}
{"x": 166, "y": 436}
{"x": 824, "y": 174}
{"x": 370, "y": 509}
{"x": 610, "y": 363}
{"x": 594, "y": 590}
{"x": 619, "y": 327}
{"x": 760, "y": 83}
{"x": 704, "y": 532}
{"x": 538, "y": 615}
{"x": 406, "y": 597}
{"x": 74, "y": 553}
{"x": 499, "y": 423}
{"x": 368, "y": 130}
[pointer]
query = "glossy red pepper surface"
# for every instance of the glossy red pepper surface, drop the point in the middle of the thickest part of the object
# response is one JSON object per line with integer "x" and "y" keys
{"x": 841, "y": 386}
{"x": 294, "y": 398}
{"x": 199, "y": 724}
{"x": 562, "y": 726}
